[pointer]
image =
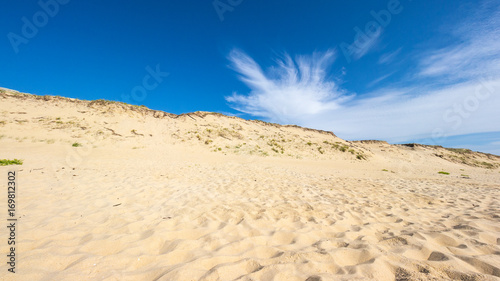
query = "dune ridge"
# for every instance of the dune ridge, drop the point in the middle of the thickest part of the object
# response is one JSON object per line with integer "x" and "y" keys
{"x": 149, "y": 195}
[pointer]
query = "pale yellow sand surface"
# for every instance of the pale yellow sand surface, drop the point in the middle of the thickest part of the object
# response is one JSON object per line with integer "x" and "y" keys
{"x": 150, "y": 196}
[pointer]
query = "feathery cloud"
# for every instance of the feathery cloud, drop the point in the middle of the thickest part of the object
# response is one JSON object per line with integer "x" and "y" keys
{"x": 288, "y": 92}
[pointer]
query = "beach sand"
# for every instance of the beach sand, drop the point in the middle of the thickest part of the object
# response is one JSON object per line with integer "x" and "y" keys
{"x": 152, "y": 196}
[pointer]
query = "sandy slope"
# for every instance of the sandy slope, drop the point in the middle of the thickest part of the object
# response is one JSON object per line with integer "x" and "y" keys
{"x": 149, "y": 196}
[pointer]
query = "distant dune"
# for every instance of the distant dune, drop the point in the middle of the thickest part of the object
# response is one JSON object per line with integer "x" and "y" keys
{"x": 112, "y": 191}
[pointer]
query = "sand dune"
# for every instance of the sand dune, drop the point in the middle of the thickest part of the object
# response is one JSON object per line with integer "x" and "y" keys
{"x": 148, "y": 195}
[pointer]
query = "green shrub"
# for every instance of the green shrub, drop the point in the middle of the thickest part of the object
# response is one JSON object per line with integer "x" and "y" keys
{"x": 76, "y": 144}
{"x": 459, "y": 150}
{"x": 5, "y": 162}
{"x": 227, "y": 133}
{"x": 275, "y": 146}
{"x": 320, "y": 149}
{"x": 443, "y": 173}
{"x": 487, "y": 165}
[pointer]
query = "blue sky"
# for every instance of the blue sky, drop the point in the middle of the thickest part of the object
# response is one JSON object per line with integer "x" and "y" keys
{"x": 401, "y": 71}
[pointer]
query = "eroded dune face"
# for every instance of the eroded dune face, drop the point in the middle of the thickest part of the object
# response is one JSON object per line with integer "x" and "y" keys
{"x": 110, "y": 191}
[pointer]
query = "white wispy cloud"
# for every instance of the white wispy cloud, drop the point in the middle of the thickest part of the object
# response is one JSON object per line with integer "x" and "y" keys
{"x": 400, "y": 115}
{"x": 389, "y": 57}
{"x": 476, "y": 54}
{"x": 288, "y": 92}
{"x": 378, "y": 80}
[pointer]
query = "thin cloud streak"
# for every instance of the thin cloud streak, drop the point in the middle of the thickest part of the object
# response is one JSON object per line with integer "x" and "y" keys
{"x": 477, "y": 55}
{"x": 378, "y": 80}
{"x": 389, "y": 57}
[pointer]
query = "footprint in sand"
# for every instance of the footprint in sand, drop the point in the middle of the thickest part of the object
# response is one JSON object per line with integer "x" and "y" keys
{"x": 437, "y": 256}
